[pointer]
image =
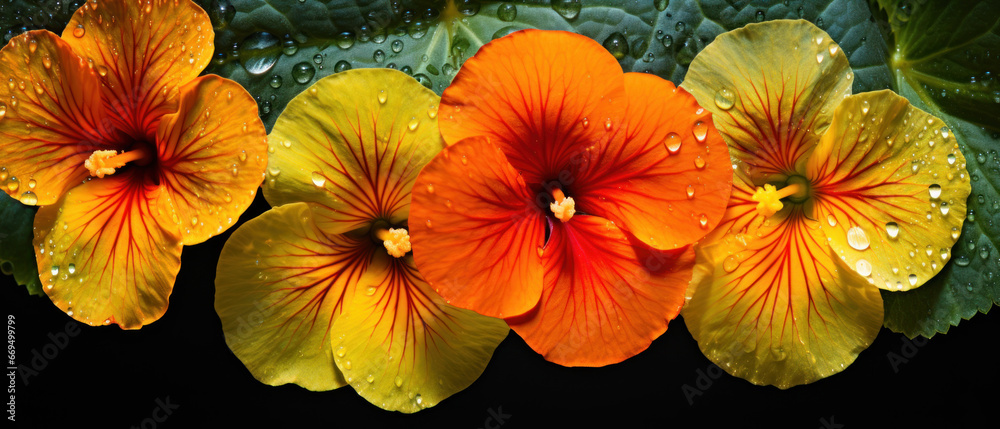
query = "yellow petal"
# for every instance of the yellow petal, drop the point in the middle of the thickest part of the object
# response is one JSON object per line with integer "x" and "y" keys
{"x": 890, "y": 186}
{"x": 779, "y": 310}
{"x": 772, "y": 88}
{"x": 403, "y": 349}
{"x": 353, "y": 143}
{"x": 106, "y": 256}
{"x": 280, "y": 285}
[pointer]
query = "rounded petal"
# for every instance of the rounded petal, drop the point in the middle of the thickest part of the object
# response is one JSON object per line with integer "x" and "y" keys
{"x": 403, "y": 349}
{"x": 143, "y": 51}
{"x": 890, "y": 186}
{"x": 280, "y": 286}
{"x": 104, "y": 255}
{"x": 534, "y": 93}
{"x": 476, "y": 230}
{"x": 778, "y": 310}
{"x": 211, "y": 155}
{"x": 772, "y": 88}
{"x": 607, "y": 295}
{"x": 51, "y": 118}
{"x": 665, "y": 176}
{"x": 353, "y": 144}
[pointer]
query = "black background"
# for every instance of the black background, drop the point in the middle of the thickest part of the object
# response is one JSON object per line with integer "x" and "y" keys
{"x": 109, "y": 378}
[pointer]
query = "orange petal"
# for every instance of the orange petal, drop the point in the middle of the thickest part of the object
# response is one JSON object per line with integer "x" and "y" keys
{"x": 104, "y": 255}
{"x": 353, "y": 144}
{"x": 771, "y": 88}
{"x": 280, "y": 285}
{"x": 890, "y": 186}
{"x": 51, "y": 118}
{"x": 607, "y": 296}
{"x": 403, "y": 349}
{"x": 476, "y": 232}
{"x": 143, "y": 51}
{"x": 534, "y": 93}
{"x": 212, "y": 154}
{"x": 774, "y": 307}
{"x": 666, "y": 175}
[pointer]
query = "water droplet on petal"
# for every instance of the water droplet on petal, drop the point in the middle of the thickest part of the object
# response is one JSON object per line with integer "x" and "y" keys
{"x": 382, "y": 96}
{"x": 863, "y": 267}
{"x": 318, "y": 179}
{"x": 892, "y": 229}
{"x": 690, "y": 191}
{"x": 935, "y": 191}
{"x": 725, "y": 99}
{"x": 700, "y": 131}
{"x": 913, "y": 279}
{"x": 857, "y": 238}
{"x": 699, "y": 162}
{"x": 673, "y": 142}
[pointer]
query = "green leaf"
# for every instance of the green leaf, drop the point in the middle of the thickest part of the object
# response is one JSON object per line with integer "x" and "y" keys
{"x": 277, "y": 48}
{"x": 17, "y": 255}
{"x": 945, "y": 62}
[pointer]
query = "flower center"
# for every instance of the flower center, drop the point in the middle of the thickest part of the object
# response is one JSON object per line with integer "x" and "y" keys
{"x": 564, "y": 207}
{"x": 769, "y": 197}
{"x": 396, "y": 241}
{"x": 104, "y": 162}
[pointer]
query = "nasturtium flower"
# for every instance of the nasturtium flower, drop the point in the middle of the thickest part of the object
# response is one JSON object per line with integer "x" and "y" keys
{"x": 835, "y": 196}
{"x": 568, "y": 197}
{"x": 128, "y": 152}
{"x": 321, "y": 290}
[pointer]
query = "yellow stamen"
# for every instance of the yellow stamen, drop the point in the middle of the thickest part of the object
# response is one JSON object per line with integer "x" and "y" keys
{"x": 564, "y": 207}
{"x": 396, "y": 241}
{"x": 104, "y": 162}
{"x": 769, "y": 198}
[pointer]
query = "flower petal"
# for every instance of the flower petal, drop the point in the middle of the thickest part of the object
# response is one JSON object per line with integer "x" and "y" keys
{"x": 143, "y": 51}
{"x": 607, "y": 295}
{"x": 403, "y": 349}
{"x": 51, "y": 116}
{"x": 353, "y": 144}
{"x": 212, "y": 155}
{"x": 280, "y": 286}
{"x": 476, "y": 231}
{"x": 770, "y": 104}
{"x": 104, "y": 256}
{"x": 532, "y": 93}
{"x": 890, "y": 186}
{"x": 666, "y": 193}
{"x": 779, "y": 310}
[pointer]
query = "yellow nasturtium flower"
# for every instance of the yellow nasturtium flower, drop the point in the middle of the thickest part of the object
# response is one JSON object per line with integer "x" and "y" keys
{"x": 321, "y": 291}
{"x": 835, "y": 196}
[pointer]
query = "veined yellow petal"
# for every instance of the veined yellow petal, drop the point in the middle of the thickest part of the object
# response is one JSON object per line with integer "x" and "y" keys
{"x": 890, "y": 186}
{"x": 403, "y": 348}
{"x": 779, "y": 310}
{"x": 353, "y": 143}
{"x": 772, "y": 88}
{"x": 280, "y": 286}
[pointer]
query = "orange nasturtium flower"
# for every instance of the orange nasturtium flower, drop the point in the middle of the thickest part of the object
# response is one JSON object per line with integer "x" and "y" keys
{"x": 321, "y": 291}
{"x": 568, "y": 197}
{"x": 835, "y": 197}
{"x": 130, "y": 154}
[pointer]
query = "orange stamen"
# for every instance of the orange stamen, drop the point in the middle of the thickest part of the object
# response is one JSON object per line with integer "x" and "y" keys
{"x": 396, "y": 241}
{"x": 104, "y": 162}
{"x": 564, "y": 207}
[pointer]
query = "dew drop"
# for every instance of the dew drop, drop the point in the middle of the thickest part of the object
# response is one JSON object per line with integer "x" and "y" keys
{"x": 699, "y": 162}
{"x": 341, "y": 351}
{"x": 257, "y": 52}
{"x": 371, "y": 378}
{"x": 29, "y": 198}
{"x": 430, "y": 188}
{"x": 398, "y": 381}
{"x": 690, "y": 192}
{"x": 396, "y": 46}
{"x": 318, "y": 179}
{"x": 725, "y": 99}
{"x": 935, "y": 191}
{"x": 276, "y": 81}
{"x": 617, "y": 45}
{"x": 944, "y": 208}
{"x": 857, "y": 238}
{"x": 55, "y": 270}
{"x": 913, "y": 279}
{"x": 673, "y": 142}
{"x": 507, "y": 12}
{"x": 382, "y": 96}
{"x": 303, "y": 72}
{"x": 831, "y": 220}
{"x": 414, "y": 122}
{"x": 731, "y": 263}
{"x": 700, "y": 131}
{"x": 341, "y": 65}
{"x": 703, "y": 221}
{"x": 863, "y": 267}
{"x": 72, "y": 268}
{"x": 568, "y": 9}
{"x": 892, "y": 229}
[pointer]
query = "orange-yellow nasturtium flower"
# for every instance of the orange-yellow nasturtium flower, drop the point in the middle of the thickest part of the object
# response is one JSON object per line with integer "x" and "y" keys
{"x": 321, "y": 290}
{"x": 835, "y": 196}
{"x": 568, "y": 197}
{"x": 128, "y": 152}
